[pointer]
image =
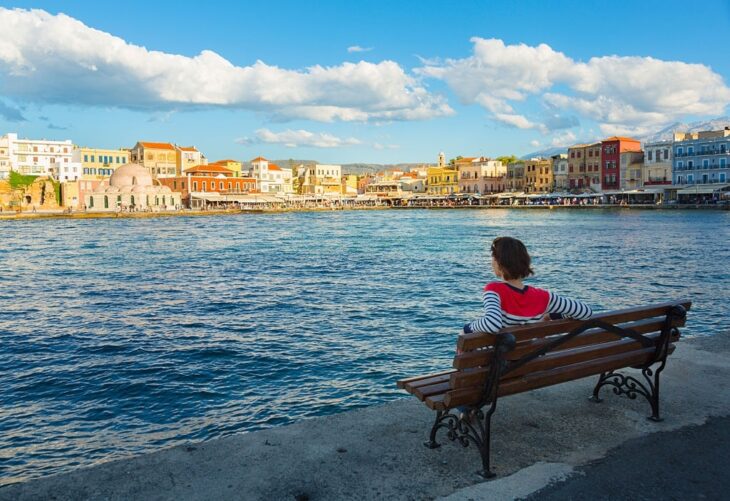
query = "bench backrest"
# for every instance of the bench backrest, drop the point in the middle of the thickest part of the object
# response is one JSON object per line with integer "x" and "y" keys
{"x": 537, "y": 355}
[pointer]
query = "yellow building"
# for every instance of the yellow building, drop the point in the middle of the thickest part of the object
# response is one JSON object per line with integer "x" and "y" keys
{"x": 443, "y": 180}
{"x": 97, "y": 164}
{"x": 538, "y": 175}
{"x": 349, "y": 184}
{"x": 159, "y": 158}
{"x": 233, "y": 165}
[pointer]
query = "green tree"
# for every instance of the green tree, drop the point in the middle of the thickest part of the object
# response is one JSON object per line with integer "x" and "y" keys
{"x": 507, "y": 159}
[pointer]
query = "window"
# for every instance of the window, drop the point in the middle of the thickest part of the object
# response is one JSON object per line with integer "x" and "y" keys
{"x": 690, "y": 150}
{"x": 680, "y": 164}
{"x": 666, "y": 153}
{"x": 690, "y": 178}
{"x": 680, "y": 151}
{"x": 106, "y": 202}
{"x": 705, "y": 164}
{"x": 648, "y": 154}
{"x": 723, "y": 163}
{"x": 86, "y": 158}
{"x": 722, "y": 177}
{"x": 690, "y": 164}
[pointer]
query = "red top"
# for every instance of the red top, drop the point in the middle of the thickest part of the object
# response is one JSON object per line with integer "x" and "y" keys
{"x": 528, "y": 302}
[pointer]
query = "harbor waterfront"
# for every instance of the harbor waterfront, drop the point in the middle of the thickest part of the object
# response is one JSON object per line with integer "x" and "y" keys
{"x": 122, "y": 336}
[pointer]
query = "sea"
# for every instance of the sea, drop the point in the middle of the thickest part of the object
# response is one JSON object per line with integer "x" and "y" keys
{"x": 124, "y": 336}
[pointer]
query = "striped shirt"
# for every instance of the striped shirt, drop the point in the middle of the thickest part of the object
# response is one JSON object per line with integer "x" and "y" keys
{"x": 507, "y": 306}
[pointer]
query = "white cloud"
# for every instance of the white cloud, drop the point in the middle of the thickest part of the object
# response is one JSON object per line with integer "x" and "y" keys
{"x": 380, "y": 146}
{"x": 300, "y": 137}
{"x": 357, "y": 48}
{"x": 57, "y": 59}
{"x": 535, "y": 143}
{"x": 563, "y": 139}
{"x": 621, "y": 93}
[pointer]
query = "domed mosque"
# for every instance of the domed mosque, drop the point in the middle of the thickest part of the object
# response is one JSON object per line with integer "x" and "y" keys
{"x": 131, "y": 187}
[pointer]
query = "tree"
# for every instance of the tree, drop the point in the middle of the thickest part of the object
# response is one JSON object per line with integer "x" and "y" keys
{"x": 507, "y": 159}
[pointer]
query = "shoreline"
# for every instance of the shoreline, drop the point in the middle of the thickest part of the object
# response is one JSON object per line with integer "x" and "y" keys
{"x": 197, "y": 213}
{"x": 377, "y": 452}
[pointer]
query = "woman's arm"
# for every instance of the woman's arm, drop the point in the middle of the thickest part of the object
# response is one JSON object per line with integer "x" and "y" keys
{"x": 491, "y": 321}
{"x": 568, "y": 308}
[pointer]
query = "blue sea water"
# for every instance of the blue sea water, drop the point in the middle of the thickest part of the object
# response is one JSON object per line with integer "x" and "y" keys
{"x": 122, "y": 336}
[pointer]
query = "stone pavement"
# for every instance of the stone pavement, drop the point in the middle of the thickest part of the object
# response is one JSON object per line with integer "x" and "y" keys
{"x": 540, "y": 438}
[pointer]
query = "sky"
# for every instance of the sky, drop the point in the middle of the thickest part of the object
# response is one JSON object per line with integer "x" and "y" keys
{"x": 367, "y": 81}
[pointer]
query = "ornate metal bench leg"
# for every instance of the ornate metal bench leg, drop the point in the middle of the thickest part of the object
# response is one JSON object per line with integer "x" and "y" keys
{"x": 431, "y": 443}
{"x": 485, "y": 445}
{"x": 654, "y": 396}
{"x": 595, "y": 398}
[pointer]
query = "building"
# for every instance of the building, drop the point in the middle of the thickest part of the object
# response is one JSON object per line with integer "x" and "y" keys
{"x": 611, "y": 150}
{"x": 98, "y": 164}
{"x": 187, "y": 157}
{"x": 319, "y": 179}
{"x": 233, "y": 165}
{"x": 702, "y": 157}
{"x": 349, "y": 184}
{"x": 37, "y": 157}
{"x": 132, "y": 188}
{"x": 631, "y": 163}
{"x": 159, "y": 158}
{"x": 657, "y": 167}
{"x": 560, "y": 172}
{"x": 200, "y": 180}
{"x": 584, "y": 166}
{"x": 515, "y": 179}
{"x": 442, "y": 180}
{"x": 272, "y": 178}
{"x": 538, "y": 175}
{"x": 481, "y": 175}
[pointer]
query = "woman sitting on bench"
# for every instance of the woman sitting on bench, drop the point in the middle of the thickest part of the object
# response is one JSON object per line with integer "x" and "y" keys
{"x": 509, "y": 302}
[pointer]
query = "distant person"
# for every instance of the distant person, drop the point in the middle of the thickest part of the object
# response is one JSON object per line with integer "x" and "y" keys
{"x": 508, "y": 302}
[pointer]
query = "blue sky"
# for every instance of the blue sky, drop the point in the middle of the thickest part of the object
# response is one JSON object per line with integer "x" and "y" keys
{"x": 345, "y": 82}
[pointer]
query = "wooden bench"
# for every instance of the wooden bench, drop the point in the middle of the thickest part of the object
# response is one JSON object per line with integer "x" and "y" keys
{"x": 519, "y": 359}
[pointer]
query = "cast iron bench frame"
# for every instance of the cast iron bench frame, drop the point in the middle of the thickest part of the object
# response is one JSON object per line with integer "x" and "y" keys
{"x": 519, "y": 359}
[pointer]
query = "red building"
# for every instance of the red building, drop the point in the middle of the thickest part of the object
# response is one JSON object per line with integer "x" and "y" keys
{"x": 210, "y": 178}
{"x": 611, "y": 150}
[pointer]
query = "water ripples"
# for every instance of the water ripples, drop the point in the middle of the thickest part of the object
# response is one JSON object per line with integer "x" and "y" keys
{"x": 119, "y": 337}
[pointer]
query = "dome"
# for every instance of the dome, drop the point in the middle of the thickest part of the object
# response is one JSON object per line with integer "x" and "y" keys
{"x": 139, "y": 189}
{"x": 165, "y": 189}
{"x": 112, "y": 189}
{"x": 131, "y": 175}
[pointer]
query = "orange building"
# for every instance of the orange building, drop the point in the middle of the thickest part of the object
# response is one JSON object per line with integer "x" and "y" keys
{"x": 210, "y": 178}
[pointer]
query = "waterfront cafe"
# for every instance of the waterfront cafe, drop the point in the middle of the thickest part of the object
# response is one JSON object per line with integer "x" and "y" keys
{"x": 215, "y": 200}
{"x": 703, "y": 193}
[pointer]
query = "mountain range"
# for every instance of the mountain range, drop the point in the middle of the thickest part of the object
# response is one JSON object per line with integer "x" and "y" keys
{"x": 665, "y": 134}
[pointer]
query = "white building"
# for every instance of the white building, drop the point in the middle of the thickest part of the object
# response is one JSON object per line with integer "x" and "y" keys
{"x": 481, "y": 175}
{"x": 37, "y": 157}
{"x": 271, "y": 178}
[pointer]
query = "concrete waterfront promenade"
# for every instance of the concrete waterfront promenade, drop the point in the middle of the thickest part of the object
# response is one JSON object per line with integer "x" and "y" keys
{"x": 377, "y": 453}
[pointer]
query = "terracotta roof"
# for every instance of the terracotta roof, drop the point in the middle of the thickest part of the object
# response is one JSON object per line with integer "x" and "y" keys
{"x": 622, "y": 138}
{"x": 157, "y": 146}
{"x": 188, "y": 148}
{"x": 208, "y": 168}
{"x": 274, "y": 167}
{"x": 259, "y": 159}
{"x": 410, "y": 174}
{"x": 225, "y": 161}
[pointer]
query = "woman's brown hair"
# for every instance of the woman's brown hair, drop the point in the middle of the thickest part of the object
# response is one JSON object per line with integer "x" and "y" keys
{"x": 512, "y": 257}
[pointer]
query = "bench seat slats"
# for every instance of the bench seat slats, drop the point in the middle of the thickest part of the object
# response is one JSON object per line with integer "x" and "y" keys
{"x": 468, "y": 342}
{"x": 470, "y": 396}
{"x": 415, "y": 381}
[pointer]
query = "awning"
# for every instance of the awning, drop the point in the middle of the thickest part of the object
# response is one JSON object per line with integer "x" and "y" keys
{"x": 703, "y": 189}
